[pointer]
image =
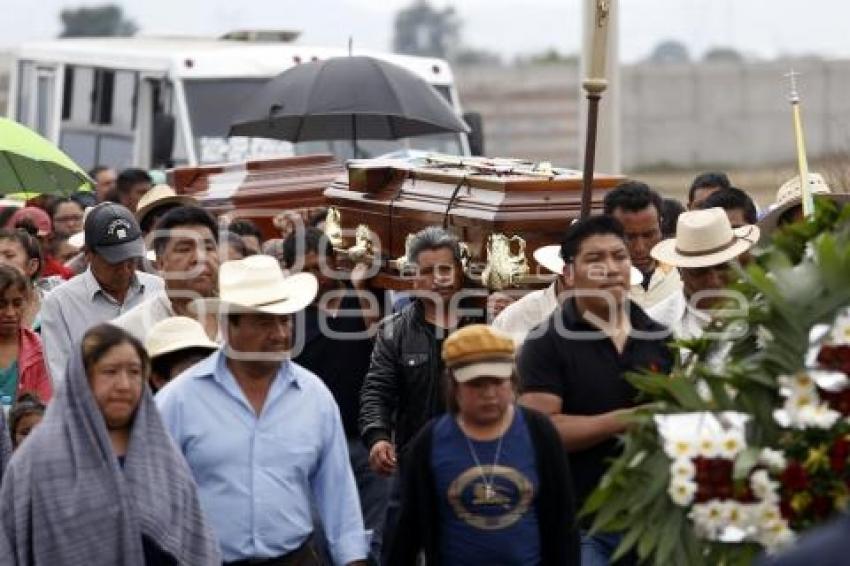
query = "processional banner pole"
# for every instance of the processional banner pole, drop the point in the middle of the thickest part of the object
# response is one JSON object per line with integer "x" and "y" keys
{"x": 802, "y": 160}
{"x": 594, "y": 85}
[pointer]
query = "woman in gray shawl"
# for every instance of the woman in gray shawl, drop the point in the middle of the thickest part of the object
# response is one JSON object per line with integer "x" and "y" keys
{"x": 100, "y": 482}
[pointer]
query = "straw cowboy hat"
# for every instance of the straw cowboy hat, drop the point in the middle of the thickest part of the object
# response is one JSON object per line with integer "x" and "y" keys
{"x": 257, "y": 284}
{"x": 177, "y": 333}
{"x": 790, "y": 195}
{"x": 158, "y": 196}
{"x": 705, "y": 238}
{"x": 550, "y": 258}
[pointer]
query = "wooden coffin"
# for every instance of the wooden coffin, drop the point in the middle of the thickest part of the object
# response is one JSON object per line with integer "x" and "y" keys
{"x": 263, "y": 190}
{"x": 394, "y": 200}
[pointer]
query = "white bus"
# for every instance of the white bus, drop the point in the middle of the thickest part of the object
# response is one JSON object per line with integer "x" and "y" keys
{"x": 162, "y": 102}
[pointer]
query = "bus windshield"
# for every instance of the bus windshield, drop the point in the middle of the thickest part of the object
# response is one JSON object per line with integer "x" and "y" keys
{"x": 212, "y": 104}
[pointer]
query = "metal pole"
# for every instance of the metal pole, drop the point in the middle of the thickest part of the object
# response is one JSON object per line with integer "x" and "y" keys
{"x": 594, "y": 89}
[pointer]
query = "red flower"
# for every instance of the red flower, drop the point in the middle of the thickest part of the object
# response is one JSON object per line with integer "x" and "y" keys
{"x": 720, "y": 472}
{"x": 702, "y": 470}
{"x": 704, "y": 493}
{"x": 724, "y": 491}
{"x": 835, "y": 357}
{"x": 838, "y": 454}
{"x": 794, "y": 477}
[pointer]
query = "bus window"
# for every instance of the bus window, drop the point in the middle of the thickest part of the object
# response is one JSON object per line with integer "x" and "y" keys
{"x": 98, "y": 116}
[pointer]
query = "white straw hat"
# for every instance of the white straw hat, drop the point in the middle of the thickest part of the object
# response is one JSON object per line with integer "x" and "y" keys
{"x": 177, "y": 333}
{"x": 158, "y": 196}
{"x": 550, "y": 258}
{"x": 790, "y": 194}
{"x": 257, "y": 284}
{"x": 705, "y": 238}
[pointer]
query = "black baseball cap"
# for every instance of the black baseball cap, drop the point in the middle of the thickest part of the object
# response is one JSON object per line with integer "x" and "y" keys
{"x": 112, "y": 232}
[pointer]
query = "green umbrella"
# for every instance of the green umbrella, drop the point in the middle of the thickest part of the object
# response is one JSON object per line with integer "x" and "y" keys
{"x": 31, "y": 164}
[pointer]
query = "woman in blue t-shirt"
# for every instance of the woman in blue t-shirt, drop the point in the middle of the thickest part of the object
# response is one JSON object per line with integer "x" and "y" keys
{"x": 487, "y": 483}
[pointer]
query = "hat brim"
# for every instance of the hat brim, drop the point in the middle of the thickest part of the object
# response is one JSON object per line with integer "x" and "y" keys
{"x": 745, "y": 238}
{"x": 183, "y": 200}
{"x": 297, "y": 291}
{"x": 549, "y": 257}
{"x": 121, "y": 252}
{"x": 78, "y": 240}
{"x": 770, "y": 221}
{"x": 499, "y": 369}
{"x": 185, "y": 345}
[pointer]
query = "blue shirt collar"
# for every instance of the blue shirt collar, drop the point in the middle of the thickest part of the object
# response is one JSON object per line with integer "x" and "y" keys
{"x": 214, "y": 366}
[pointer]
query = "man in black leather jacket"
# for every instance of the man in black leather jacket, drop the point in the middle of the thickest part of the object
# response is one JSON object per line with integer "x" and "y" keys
{"x": 403, "y": 389}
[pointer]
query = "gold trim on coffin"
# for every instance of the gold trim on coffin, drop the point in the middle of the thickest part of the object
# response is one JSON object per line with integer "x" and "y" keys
{"x": 503, "y": 269}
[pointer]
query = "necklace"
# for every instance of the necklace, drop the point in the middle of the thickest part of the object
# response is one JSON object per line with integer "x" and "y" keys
{"x": 489, "y": 484}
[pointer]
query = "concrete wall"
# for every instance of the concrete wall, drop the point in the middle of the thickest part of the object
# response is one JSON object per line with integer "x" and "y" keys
{"x": 528, "y": 112}
{"x": 722, "y": 114}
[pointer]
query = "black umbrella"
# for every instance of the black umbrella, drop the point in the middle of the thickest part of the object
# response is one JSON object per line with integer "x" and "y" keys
{"x": 346, "y": 98}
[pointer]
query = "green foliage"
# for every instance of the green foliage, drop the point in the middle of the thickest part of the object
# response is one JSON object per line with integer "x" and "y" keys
{"x": 801, "y": 280}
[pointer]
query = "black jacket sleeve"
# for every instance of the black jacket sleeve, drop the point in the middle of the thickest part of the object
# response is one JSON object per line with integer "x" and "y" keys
{"x": 559, "y": 533}
{"x": 379, "y": 395}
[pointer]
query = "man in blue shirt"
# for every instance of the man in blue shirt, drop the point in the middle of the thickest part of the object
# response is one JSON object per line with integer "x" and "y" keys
{"x": 262, "y": 435}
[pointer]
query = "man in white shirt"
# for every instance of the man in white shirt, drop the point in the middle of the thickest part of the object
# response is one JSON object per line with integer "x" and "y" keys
{"x": 186, "y": 245}
{"x": 638, "y": 208}
{"x": 703, "y": 248}
{"x": 520, "y": 317}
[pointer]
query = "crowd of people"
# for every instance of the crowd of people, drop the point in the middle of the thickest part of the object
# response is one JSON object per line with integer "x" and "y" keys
{"x": 180, "y": 390}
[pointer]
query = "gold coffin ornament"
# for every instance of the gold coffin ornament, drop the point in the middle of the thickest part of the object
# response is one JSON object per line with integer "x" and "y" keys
{"x": 504, "y": 266}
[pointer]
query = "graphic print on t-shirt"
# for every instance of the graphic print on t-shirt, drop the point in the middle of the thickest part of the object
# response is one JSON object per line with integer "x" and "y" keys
{"x": 495, "y": 503}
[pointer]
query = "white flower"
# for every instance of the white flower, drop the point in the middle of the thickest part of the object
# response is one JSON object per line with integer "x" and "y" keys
{"x": 762, "y": 486}
{"x": 775, "y": 535}
{"x": 773, "y": 459}
{"x": 841, "y": 329}
{"x": 799, "y": 400}
{"x": 735, "y": 515}
{"x": 816, "y": 416}
{"x": 707, "y": 518}
{"x": 682, "y": 491}
{"x": 683, "y": 468}
{"x": 767, "y": 513}
{"x": 680, "y": 447}
{"x": 799, "y": 383}
{"x": 731, "y": 443}
{"x": 708, "y": 447}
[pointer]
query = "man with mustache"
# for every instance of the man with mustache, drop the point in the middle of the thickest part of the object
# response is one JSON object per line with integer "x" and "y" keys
{"x": 185, "y": 240}
{"x": 262, "y": 435}
{"x": 638, "y": 208}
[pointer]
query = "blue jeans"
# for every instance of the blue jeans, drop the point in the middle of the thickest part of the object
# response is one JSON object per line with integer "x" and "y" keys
{"x": 597, "y": 550}
{"x": 374, "y": 493}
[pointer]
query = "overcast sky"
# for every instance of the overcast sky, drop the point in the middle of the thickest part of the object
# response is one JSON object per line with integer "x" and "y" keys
{"x": 762, "y": 28}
